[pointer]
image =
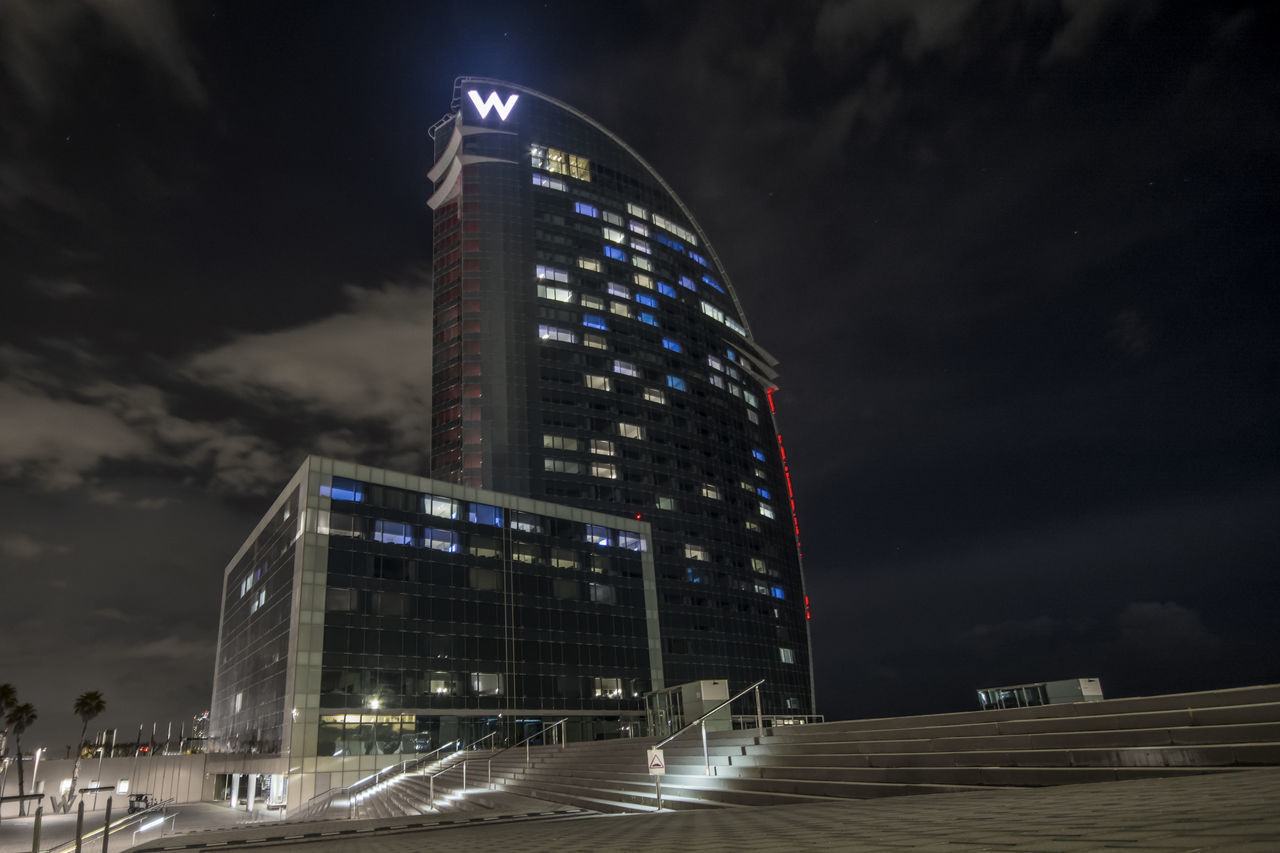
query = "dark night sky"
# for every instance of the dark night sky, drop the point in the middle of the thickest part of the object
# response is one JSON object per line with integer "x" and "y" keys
{"x": 1018, "y": 260}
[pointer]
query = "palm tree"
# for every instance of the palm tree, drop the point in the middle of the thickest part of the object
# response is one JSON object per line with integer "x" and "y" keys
{"x": 19, "y": 718}
{"x": 88, "y": 705}
{"x": 8, "y": 698}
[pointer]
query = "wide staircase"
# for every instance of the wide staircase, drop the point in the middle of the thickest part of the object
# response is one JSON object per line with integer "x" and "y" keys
{"x": 1115, "y": 739}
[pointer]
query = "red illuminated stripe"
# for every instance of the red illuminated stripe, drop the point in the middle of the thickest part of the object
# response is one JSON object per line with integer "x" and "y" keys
{"x": 786, "y": 473}
{"x": 807, "y": 613}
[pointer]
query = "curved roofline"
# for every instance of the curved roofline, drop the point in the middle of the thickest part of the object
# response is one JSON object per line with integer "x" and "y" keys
{"x": 702, "y": 235}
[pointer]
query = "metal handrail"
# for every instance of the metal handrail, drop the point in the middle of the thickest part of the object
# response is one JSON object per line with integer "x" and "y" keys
{"x": 322, "y": 801}
{"x": 525, "y": 742}
{"x": 431, "y": 779}
{"x": 702, "y": 721}
{"x": 116, "y": 826}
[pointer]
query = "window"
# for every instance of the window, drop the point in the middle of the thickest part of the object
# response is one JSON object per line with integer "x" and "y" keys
{"x": 614, "y": 235}
{"x": 525, "y": 521}
{"x": 591, "y": 264}
{"x": 639, "y": 228}
{"x": 758, "y": 565}
{"x": 440, "y": 540}
{"x": 595, "y": 341}
{"x": 668, "y": 242}
{"x": 753, "y": 526}
{"x": 580, "y": 168}
{"x": 540, "y": 180}
{"x": 637, "y": 210}
{"x": 591, "y": 321}
{"x": 787, "y": 655}
{"x": 552, "y": 273}
{"x": 343, "y": 489}
{"x": 687, "y": 283}
{"x": 485, "y": 514}
{"x": 654, "y": 395}
{"x": 673, "y": 345}
{"x": 593, "y": 302}
{"x": 666, "y": 503}
{"x": 715, "y": 363}
{"x": 677, "y": 383}
{"x": 559, "y": 442}
{"x": 758, "y": 454}
{"x": 486, "y": 683}
{"x": 598, "y": 535}
{"x": 258, "y": 601}
{"x": 698, "y": 258}
{"x": 676, "y": 229}
{"x": 716, "y": 381}
{"x": 602, "y": 447}
{"x": 666, "y": 289}
{"x": 603, "y": 593}
{"x": 632, "y": 541}
{"x": 711, "y": 281}
{"x": 626, "y": 368}
{"x": 622, "y": 309}
{"x": 647, "y": 318}
{"x": 766, "y": 510}
{"x": 551, "y": 333}
{"x": 777, "y": 592}
{"x": 561, "y": 466}
{"x": 640, "y": 245}
{"x": 556, "y": 294}
{"x": 616, "y": 254}
{"x": 642, "y": 262}
{"x": 608, "y": 688}
{"x": 643, "y": 280}
{"x": 596, "y": 383}
{"x": 604, "y": 469}
{"x": 646, "y": 299}
{"x": 618, "y": 290}
{"x": 392, "y": 532}
{"x": 613, "y": 218}
{"x": 696, "y": 552}
{"x": 631, "y": 431}
{"x": 764, "y": 493}
{"x": 710, "y": 491}
{"x": 585, "y": 209}
{"x": 751, "y": 399}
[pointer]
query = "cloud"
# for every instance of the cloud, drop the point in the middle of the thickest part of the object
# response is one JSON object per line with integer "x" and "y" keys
{"x": 1129, "y": 332}
{"x": 59, "y": 289}
{"x": 20, "y": 546}
{"x": 1086, "y": 19}
{"x": 1165, "y": 630}
{"x": 845, "y": 28}
{"x": 339, "y": 365}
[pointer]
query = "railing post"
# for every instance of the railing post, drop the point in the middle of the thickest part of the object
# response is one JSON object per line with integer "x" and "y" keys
{"x": 657, "y": 784}
{"x": 706, "y": 758}
{"x": 433, "y": 790}
{"x": 464, "y": 774}
{"x": 759, "y": 718}
{"x": 80, "y": 825}
{"x": 35, "y": 830}
{"x": 106, "y": 826}
{"x": 526, "y": 754}
{"x": 562, "y": 734}
{"x": 490, "y": 774}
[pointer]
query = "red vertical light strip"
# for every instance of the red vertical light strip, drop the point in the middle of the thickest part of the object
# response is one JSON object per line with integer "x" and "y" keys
{"x": 786, "y": 473}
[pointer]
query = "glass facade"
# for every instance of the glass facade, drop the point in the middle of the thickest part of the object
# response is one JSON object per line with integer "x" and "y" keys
{"x": 640, "y": 342}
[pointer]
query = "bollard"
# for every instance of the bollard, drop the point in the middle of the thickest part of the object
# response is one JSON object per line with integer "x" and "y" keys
{"x": 657, "y": 784}
{"x": 80, "y": 825}
{"x": 106, "y": 826}
{"x": 35, "y": 830}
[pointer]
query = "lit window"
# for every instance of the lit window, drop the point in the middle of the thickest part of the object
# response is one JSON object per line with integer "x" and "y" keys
{"x": 735, "y": 325}
{"x": 616, "y": 254}
{"x": 677, "y": 383}
{"x": 666, "y": 289}
{"x": 440, "y": 540}
{"x": 631, "y": 431}
{"x": 675, "y": 228}
{"x": 344, "y": 490}
{"x": 585, "y": 209}
{"x": 687, "y": 283}
{"x": 637, "y": 210}
{"x": 595, "y": 341}
{"x": 753, "y": 526}
{"x": 591, "y": 321}
{"x": 260, "y": 600}
{"x": 556, "y": 294}
{"x": 698, "y": 258}
{"x": 752, "y": 400}
{"x": 710, "y": 491}
{"x": 654, "y": 395}
{"x": 604, "y": 469}
{"x": 696, "y": 552}
{"x": 639, "y": 228}
{"x": 766, "y": 510}
{"x": 439, "y": 507}
{"x": 626, "y": 368}
{"x": 666, "y": 503}
{"x": 598, "y": 535}
{"x": 594, "y": 302}
{"x": 640, "y": 245}
{"x": 647, "y": 318}
{"x": 596, "y": 383}
{"x": 764, "y": 493}
{"x": 622, "y": 309}
{"x": 552, "y": 273}
{"x": 787, "y": 655}
{"x": 526, "y": 521}
{"x": 643, "y": 280}
{"x": 485, "y": 514}
{"x": 552, "y": 333}
{"x": 602, "y": 447}
{"x": 560, "y": 466}
{"x": 613, "y": 218}
{"x": 580, "y": 168}
{"x": 392, "y": 532}
{"x": 592, "y": 264}
{"x": 632, "y": 541}
{"x": 758, "y": 565}
{"x": 711, "y": 281}
{"x": 759, "y": 472}
{"x": 668, "y": 242}
{"x": 714, "y": 362}
{"x": 758, "y": 454}
{"x": 777, "y": 592}
{"x": 541, "y": 180}
{"x": 618, "y": 290}
{"x": 642, "y": 262}
{"x": 559, "y": 442}
{"x": 712, "y": 311}
{"x": 716, "y": 381}
{"x": 614, "y": 235}
{"x": 646, "y": 299}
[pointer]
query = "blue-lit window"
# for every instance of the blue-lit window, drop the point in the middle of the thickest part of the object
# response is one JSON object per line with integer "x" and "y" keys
{"x": 674, "y": 346}
{"x": 646, "y": 299}
{"x": 485, "y": 514}
{"x": 758, "y": 454}
{"x": 440, "y": 540}
{"x": 632, "y": 541}
{"x": 585, "y": 209}
{"x": 666, "y": 289}
{"x": 733, "y": 356}
{"x": 393, "y": 532}
{"x": 677, "y": 383}
{"x": 591, "y": 321}
{"x": 647, "y": 318}
{"x": 687, "y": 283}
{"x": 616, "y": 254}
{"x": 668, "y": 242}
{"x": 345, "y": 490}
{"x": 777, "y": 592}
{"x": 711, "y": 281}
{"x": 598, "y": 535}
{"x": 699, "y": 259}
{"x": 693, "y": 575}
{"x": 764, "y": 493}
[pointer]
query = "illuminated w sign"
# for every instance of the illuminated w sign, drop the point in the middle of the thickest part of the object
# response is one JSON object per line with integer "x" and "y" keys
{"x": 492, "y": 103}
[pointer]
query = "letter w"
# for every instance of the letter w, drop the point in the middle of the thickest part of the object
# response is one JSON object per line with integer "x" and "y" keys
{"x": 492, "y": 103}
